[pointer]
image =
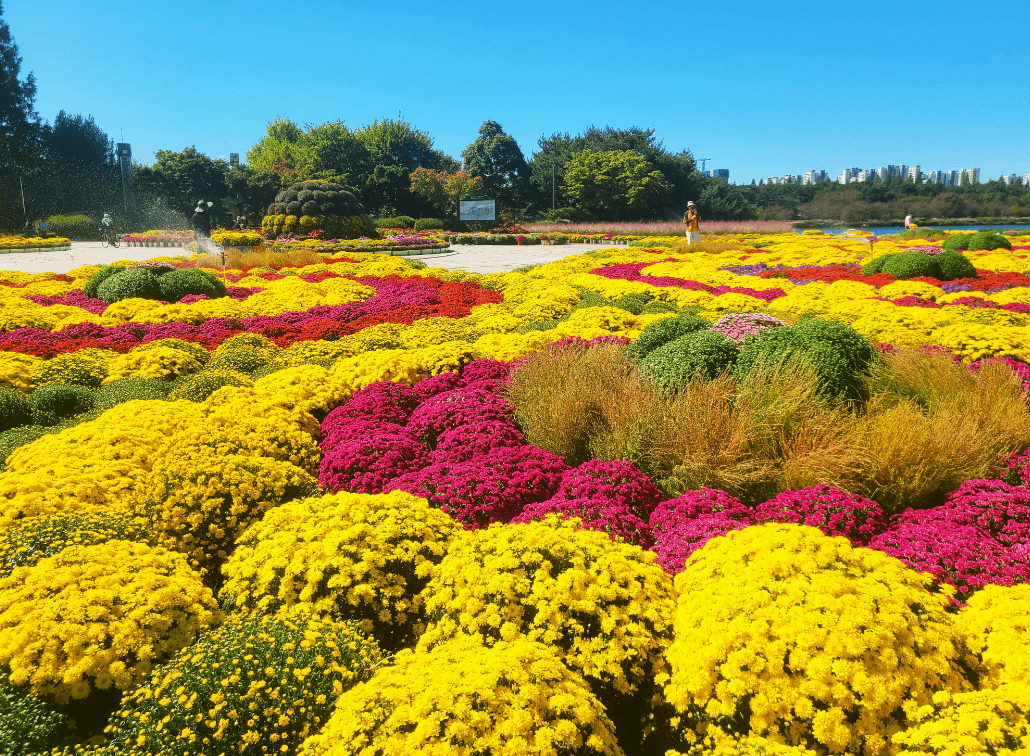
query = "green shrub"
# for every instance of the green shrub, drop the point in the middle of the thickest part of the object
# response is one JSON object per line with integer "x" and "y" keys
{"x": 430, "y": 224}
{"x": 73, "y": 368}
{"x": 127, "y": 389}
{"x": 702, "y": 354}
{"x": 56, "y": 402}
{"x": 182, "y": 282}
{"x": 35, "y": 538}
{"x": 15, "y": 408}
{"x": 240, "y": 360}
{"x": 875, "y": 266}
{"x": 93, "y": 284}
{"x": 986, "y": 239}
{"x": 306, "y": 662}
{"x": 663, "y": 332}
{"x": 396, "y": 221}
{"x": 634, "y": 303}
{"x": 954, "y": 266}
{"x": 931, "y": 234}
{"x": 76, "y": 226}
{"x": 416, "y": 264}
{"x": 29, "y": 724}
{"x": 905, "y": 265}
{"x": 839, "y": 354}
{"x": 135, "y": 282}
{"x": 197, "y": 388}
{"x": 656, "y": 308}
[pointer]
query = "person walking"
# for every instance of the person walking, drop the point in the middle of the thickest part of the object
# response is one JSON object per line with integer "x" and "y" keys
{"x": 690, "y": 218}
{"x": 908, "y": 221}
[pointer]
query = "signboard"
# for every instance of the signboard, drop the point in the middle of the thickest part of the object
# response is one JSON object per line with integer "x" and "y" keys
{"x": 476, "y": 210}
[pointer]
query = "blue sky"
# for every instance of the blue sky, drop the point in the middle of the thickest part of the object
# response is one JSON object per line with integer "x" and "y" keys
{"x": 762, "y": 89}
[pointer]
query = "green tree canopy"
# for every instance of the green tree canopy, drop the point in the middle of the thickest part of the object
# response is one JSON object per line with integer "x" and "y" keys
{"x": 496, "y": 158}
{"x": 184, "y": 178}
{"x": 616, "y": 185}
{"x": 19, "y": 124}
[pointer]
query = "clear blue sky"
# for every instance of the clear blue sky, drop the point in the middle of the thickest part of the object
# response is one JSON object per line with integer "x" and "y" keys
{"x": 761, "y": 88}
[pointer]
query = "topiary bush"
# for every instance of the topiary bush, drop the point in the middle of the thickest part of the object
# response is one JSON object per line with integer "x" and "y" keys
{"x": 128, "y": 389}
{"x": 986, "y": 239}
{"x": 15, "y": 409}
{"x": 663, "y": 332}
{"x": 309, "y": 205}
{"x": 352, "y": 556}
{"x": 431, "y": 224}
{"x": 704, "y": 354}
{"x": 396, "y": 221}
{"x": 784, "y": 632}
{"x": 955, "y": 266}
{"x": 464, "y": 697}
{"x": 92, "y": 286}
{"x": 53, "y": 403}
{"x": 839, "y": 354}
{"x": 183, "y": 282}
{"x": 139, "y": 283}
{"x": 904, "y": 265}
{"x": 305, "y": 661}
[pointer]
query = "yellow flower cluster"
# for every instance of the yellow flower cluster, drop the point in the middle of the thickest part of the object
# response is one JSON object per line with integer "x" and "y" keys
{"x": 786, "y": 633}
{"x": 83, "y": 368}
{"x": 255, "y": 685}
{"x": 16, "y": 370}
{"x": 159, "y": 362}
{"x": 98, "y": 616}
{"x": 513, "y": 699}
{"x": 996, "y": 623}
{"x": 994, "y": 722}
{"x": 605, "y": 606}
{"x": 353, "y": 556}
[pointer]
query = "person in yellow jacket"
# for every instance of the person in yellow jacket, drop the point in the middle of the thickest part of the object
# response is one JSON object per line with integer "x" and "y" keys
{"x": 690, "y": 218}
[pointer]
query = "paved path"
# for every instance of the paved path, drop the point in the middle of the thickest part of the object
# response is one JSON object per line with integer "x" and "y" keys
{"x": 478, "y": 258}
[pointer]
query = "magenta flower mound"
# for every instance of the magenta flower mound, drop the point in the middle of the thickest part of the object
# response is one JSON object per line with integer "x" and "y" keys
{"x": 366, "y": 464}
{"x": 453, "y": 409}
{"x": 694, "y": 504}
{"x": 1016, "y": 469}
{"x": 597, "y": 514}
{"x": 737, "y": 326}
{"x": 437, "y": 384}
{"x": 485, "y": 370}
{"x": 675, "y": 545}
{"x": 960, "y": 555}
{"x": 341, "y": 428}
{"x": 491, "y": 488}
{"x": 476, "y": 440}
{"x": 835, "y": 512}
{"x": 1001, "y": 510}
{"x": 619, "y": 483}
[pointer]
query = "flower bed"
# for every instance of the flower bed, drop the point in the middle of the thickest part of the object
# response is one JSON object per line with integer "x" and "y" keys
{"x": 33, "y": 244}
{"x": 634, "y": 501}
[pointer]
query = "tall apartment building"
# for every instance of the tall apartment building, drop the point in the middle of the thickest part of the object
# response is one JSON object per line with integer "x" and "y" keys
{"x": 914, "y": 173}
{"x": 1026, "y": 180}
{"x": 814, "y": 177}
{"x": 1010, "y": 179}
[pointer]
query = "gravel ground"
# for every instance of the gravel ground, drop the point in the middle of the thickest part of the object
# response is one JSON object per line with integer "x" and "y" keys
{"x": 477, "y": 258}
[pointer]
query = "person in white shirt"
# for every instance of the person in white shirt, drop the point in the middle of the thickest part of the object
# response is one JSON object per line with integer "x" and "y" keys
{"x": 908, "y": 221}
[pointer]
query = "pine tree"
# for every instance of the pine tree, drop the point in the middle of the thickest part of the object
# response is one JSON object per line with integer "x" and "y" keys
{"x": 19, "y": 122}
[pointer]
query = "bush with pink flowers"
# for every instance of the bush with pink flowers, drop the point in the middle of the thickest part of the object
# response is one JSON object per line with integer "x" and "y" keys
{"x": 367, "y": 463}
{"x": 452, "y": 409}
{"x": 693, "y": 504}
{"x": 1016, "y": 469}
{"x": 675, "y": 545}
{"x": 476, "y": 440}
{"x": 619, "y": 483}
{"x": 737, "y": 326}
{"x": 994, "y": 506}
{"x": 835, "y": 512}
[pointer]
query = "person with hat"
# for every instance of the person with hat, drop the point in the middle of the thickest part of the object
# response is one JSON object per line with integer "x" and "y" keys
{"x": 202, "y": 225}
{"x": 690, "y": 218}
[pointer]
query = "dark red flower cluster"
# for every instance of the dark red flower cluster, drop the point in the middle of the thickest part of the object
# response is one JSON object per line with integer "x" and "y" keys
{"x": 835, "y": 512}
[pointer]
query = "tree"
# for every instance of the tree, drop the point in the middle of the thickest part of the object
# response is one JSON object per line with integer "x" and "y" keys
{"x": 78, "y": 173}
{"x": 615, "y": 185}
{"x": 184, "y": 178}
{"x": 443, "y": 189}
{"x": 19, "y": 125}
{"x": 496, "y": 157}
{"x": 284, "y": 151}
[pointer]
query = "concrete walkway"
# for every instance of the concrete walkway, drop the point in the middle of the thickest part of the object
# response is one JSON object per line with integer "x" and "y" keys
{"x": 478, "y": 258}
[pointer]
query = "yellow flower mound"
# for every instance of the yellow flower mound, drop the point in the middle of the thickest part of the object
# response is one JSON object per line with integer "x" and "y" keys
{"x": 98, "y": 616}
{"x": 792, "y": 634}
{"x": 355, "y": 556}
{"x": 97, "y": 463}
{"x": 991, "y": 722}
{"x": 721, "y": 744}
{"x": 514, "y": 699}
{"x": 83, "y": 368}
{"x": 996, "y": 622}
{"x": 16, "y": 370}
{"x": 606, "y": 607}
{"x": 304, "y": 387}
{"x": 161, "y": 363}
{"x": 199, "y": 503}
{"x": 253, "y": 682}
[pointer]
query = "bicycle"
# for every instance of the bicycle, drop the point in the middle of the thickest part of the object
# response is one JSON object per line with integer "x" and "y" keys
{"x": 108, "y": 237}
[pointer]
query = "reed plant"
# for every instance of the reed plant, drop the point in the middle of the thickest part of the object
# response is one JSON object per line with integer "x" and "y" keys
{"x": 264, "y": 259}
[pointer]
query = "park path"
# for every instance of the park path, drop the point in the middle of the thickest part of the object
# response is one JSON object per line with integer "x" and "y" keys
{"x": 477, "y": 258}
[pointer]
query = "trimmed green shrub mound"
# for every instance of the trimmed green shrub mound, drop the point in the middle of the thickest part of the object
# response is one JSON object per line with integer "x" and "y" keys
{"x": 135, "y": 282}
{"x": 703, "y": 354}
{"x": 56, "y": 402}
{"x": 663, "y": 332}
{"x": 127, "y": 389}
{"x": 955, "y": 266}
{"x": 199, "y": 387}
{"x": 634, "y": 303}
{"x": 182, "y": 282}
{"x": 76, "y": 226}
{"x": 906, "y": 265}
{"x": 29, "y": 724}
{"x": 839, "y": 353}
{"x": 310, "y": 205}
{"x": 431, "y": 224}
{"x": 987, "y": 239}
{"x": 91, "y": 289}
{"x": 931, "y": 234}
{"x": 15, "y": 409}
{"x": 396, "y": 221}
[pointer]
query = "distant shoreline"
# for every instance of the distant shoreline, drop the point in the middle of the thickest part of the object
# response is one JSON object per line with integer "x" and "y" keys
{"x": 947, "y": 222}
